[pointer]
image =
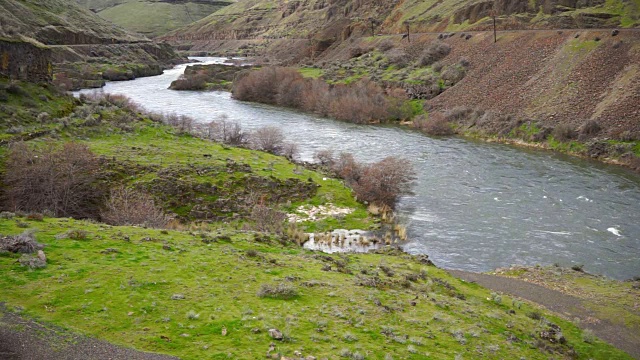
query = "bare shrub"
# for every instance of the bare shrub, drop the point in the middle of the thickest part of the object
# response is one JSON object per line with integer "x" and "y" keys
{"x": 24, "y": 243}
{"x": 383, "y": 182}
{"x": 52, "y": 179}
{"x": 436, "y": 124}
{"x": 231, "y": 132}
{"x": 324, "y": 157}
{"x": 266, "y": 219}
{"x": 453, "y": 74}
{"x": 118, "y": 100}
{"x": 346, "y": 167}
{"x": 563, "y": 132}
{"x": 32, "y": 261}
{"x": 357, "y": 102}
{"x": 268, "y": 138}
{"x": 261, "y": 85}
{"x": 434, "y": 52}
{"x": 290, "y": 150}
{"x": 399, "y": 59}
{"x": 590, "y": 128}
{"x": 131, "y": 207}
{"x": 386, "y": 45}
{"x": 278, "y": 291}
{"x": 182, "y": 123}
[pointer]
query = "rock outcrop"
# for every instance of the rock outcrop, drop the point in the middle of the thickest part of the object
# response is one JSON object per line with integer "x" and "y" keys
{"x": 25, "y": 61}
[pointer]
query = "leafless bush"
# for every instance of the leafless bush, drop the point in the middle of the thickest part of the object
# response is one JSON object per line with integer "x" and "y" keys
{"x": 590, "y": 128}
{"x": 32, "y": 261}
{"x": 357, "y": 102}
{"x": 278, "y": 291}
{"x": 52, "y": 179}
{"x": 182, "y": 123}
{"x": 434, "y": 52}
{"x": 266, "y": 219}
{"x": 121, "y": 101}
{"x": 131, "y": 207}
{"x": 563, "y": 132}
{"x": 399, "y": 59}
{"x": 453, "y": 74}
{"x": 346, "y": 167}
{"x": 386, "y": 45}
{"x": 383, "y": 182}
{"x": 24, "y": 243}
{"x": 458, "y": 114}
{"x": 436, "y": 124}
{"x": 290, "y": 150}
{"x": 324, "y": 157}
{"x": 269, "y": 139}
{"x": 262, "y": 85}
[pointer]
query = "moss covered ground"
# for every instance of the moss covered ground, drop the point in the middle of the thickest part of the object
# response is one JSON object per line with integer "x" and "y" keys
{"x": 177, "y": 292}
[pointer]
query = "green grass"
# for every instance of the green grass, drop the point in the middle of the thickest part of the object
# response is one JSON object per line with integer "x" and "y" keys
{"x": 569, "y": 147}
{"x": 313, "y": 73}
{"x": 124, "y": 296}
{"x": 156, "y": 18}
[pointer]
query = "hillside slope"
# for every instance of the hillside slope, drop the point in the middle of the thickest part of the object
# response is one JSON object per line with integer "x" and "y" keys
{"x": 340, "y": 19}
{"x": 83, "y": 49}
{"x": 153, "y": 17}
{"x": 56, "y": 22}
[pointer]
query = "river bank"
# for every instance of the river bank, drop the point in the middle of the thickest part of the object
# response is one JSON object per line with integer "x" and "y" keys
{"x": 542, "y": 205}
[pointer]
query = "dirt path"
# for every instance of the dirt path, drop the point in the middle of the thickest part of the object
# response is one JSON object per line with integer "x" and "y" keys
{"x": 565, "y": 305}
{"x": 24, "y": 339}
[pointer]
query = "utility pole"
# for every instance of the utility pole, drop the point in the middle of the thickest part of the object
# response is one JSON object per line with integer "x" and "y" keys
{"x": 493, "y": 13}
{"x": 408, "y": 36}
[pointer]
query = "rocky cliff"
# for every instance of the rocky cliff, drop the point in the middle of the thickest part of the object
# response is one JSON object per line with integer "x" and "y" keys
{"x": 25, "y": 61}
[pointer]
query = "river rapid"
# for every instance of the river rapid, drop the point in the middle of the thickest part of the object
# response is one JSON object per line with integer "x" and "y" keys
{"x": 477, "y": 206}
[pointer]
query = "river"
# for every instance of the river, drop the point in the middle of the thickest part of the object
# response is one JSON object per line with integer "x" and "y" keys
{"x": 477, "y": 206}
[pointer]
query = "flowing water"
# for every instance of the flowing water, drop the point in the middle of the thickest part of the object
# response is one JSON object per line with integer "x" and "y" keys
{"x": 477, "y": 206}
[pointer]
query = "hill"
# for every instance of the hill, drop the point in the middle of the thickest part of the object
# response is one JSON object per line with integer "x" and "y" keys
{"x": 83, "y": 49}
{"x": 339, "y": 20}
{"x": 153, "y": 17}
{"x": 57, "y": 22}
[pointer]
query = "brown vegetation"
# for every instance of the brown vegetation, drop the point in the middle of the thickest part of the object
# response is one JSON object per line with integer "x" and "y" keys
{"x": 380, "y": 183}
{"x": 436, "y": 124}
{"x": 359, "y": 102}
{"x": 131, "y": 207}
{"x": 51, "y": 179}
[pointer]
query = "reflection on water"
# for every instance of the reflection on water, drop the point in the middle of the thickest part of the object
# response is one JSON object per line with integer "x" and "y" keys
{"x": 477, "y": 206}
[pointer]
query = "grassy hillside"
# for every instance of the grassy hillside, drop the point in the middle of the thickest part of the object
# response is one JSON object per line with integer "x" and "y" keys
{"x": 153, "y": 18}
{"x": 204, "y": 294}
{"x": 56, "y": 22}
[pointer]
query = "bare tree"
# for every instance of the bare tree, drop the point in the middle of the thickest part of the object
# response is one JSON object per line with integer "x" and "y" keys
{"x": 290, "y": 150}
{"x": 268, "y": 138}
{"x": 267, "y": 219}
{"x": 231, "y": 133}
{"x": 131, "y": 207}
{"x": 52, "y": 179}
{"x": 382, "y": 183}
